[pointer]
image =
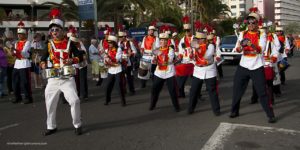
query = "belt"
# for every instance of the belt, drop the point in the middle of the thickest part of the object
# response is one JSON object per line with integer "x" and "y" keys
{"x": 203, "y": 65}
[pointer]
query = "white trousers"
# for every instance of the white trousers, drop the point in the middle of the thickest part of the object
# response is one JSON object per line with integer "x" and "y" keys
{"x": 52, "y": 92}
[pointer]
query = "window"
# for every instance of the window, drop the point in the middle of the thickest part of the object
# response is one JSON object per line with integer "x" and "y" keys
{"x": 233, "y": 6}
{"x": 242, "y": 5}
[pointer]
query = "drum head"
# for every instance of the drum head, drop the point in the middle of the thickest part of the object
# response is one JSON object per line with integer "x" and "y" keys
{"x": 142, "y": 72}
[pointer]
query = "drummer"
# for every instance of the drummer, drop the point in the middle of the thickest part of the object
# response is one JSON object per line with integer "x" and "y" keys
{"x": 150, "y": 43}
{"x": 62, "y": 54}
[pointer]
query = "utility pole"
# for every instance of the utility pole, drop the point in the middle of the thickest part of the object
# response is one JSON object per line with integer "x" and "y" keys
{"x": 192, "y": 15}
{"x": 95, "y": 19}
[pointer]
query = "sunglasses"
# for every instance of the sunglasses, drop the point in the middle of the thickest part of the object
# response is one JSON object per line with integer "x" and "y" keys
{"x": 252, "y": 22}
{"x": 55, "y": 30}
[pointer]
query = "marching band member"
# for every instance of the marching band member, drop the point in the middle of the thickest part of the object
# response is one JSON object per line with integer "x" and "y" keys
{"x": 81, "y": 66}
{"x": 285, "y": 47}
{"x": 62, "y": 54}
{"x": 216, "y": 42}
{"x": 128, "y": 51}
{"x": 164, "y": 72}
{"x": 270, "y": 63}
{"x": 204, "y": 71}
{"x": 113, "y": 60}
{"x": 21, "y": 72}
{"x": 150, "y": 42}
{"x": 185, "y": 68}
{"x": 252, "y": 43}
{"x": 103, "y": 45}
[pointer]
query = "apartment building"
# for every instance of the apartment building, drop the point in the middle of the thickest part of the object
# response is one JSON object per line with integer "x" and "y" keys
{"x": 287, "y": 11}
{"x": 238, "y": 7}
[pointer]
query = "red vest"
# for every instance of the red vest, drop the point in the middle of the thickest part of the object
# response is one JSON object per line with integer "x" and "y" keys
{"x": 112, "y": 55}
{"x": 149, "y": 40}
{"x": 163, "y": 58}
{"x": 254, "y": 38}
{"x": 19, "y": 47}
{"x": 199, "y": 55}
{"x": 55, "y": 55}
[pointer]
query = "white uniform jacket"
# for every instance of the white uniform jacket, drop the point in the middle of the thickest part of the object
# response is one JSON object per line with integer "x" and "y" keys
{"x": 253, "y": 63}
{"x": 209, "y": 71}
{"x": 23, "y": 63}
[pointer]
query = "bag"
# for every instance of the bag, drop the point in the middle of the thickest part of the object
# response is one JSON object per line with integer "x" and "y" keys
{"x": 283, "y": 65}
{"x": 269, "y": 73}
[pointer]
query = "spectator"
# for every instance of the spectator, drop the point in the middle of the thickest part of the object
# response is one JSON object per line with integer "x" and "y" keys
{"x": 3, "y": 66}
{"x": 10, "y": 65}
{"x": 94, "y": 58}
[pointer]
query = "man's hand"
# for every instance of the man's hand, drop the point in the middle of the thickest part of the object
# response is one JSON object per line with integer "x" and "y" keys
{"x": 68, "y": 61}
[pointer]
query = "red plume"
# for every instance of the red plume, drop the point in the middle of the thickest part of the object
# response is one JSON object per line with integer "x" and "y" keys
{"x": 198, "y": 25}
{"x": 164, "y": 28}
{"x": 54, "y": 13}
{"x": 260, "y": 22}
{"x": 186, "y": 19}
{"x": 21, "y": 24}
{"x": 120, "y": 27}
{"x": 253, "y": 9}
{"x": 153, "y": 23}
{"x": 208, "y": 28}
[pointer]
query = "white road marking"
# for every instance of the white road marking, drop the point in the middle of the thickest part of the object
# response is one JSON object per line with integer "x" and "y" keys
{"x": 8, "y": 126}
{"x": 217, "y": 140}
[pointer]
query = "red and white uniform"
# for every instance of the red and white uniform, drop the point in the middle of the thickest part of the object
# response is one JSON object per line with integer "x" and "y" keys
{"x": 114, "y": 55}
{"x": 253, "y": 61}
{"x": 205, "y": 67}
{"x": 165, "y": 67}
{"x": 22, "y": 54}
{"x": 57, "y": 85}
{"x": 186, "y": 67}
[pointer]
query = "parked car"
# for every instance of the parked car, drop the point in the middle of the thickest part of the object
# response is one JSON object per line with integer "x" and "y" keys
{"x": 227, "y": 48}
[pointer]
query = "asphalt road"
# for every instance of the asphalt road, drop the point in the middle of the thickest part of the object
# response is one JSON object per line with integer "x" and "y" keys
{"x": 134, "y": 127}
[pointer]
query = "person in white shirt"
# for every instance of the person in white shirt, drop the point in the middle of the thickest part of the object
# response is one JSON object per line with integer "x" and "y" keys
{"x": 204, "y": 71}
{"x": 270, "y": 65}
{"x": 150, "y": 43}
{"x": 284, "y": 50}
{"x": 37, "y": 46}
{"x": 252, "y": 44}
{"x": 164, "y": 72}
{"x": 94, "y": 58}
{"x": 128, "y": 51}
{"x": 21, "y": 72}
{"x": 112, "y": 59}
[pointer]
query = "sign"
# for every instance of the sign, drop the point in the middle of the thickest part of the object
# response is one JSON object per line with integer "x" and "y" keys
{"x": 86, "y": 9}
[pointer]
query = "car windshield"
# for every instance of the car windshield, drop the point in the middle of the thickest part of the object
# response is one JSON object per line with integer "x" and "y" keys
{"x": 229, "y": 40}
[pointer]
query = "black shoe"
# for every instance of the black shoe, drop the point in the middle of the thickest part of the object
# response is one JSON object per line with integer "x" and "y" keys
{"x": 132, "y": 93}
{"x": 190, "y": 112}
{"x": 50, "y": 131}
{"x": 124, "y": 104}
{"x": 278, "y": 95}
{"x": 78, "y": 131}
{"x": 217, "y": 113}
{"x": 272, "y": 120}
{"x": 151, "y": 108}
{"x": 106, "y": 103}
{"x": 16, "y": 101}
{"x": 177, "y": 109}
{"x": 234, "y": 115}
{"x": 253, "y": 102}
{"x": 27, "y": 102}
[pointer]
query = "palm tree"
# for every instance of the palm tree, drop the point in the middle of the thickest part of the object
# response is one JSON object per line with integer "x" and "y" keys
{"x": 70, "y": 9}
{"x": 2, "y": 15}
{"x": 209, "y": 10}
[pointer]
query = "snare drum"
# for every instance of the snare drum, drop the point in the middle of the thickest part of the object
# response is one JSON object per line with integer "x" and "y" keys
{"x": 52, "y": 73}
{"x": 68, "y": 71}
